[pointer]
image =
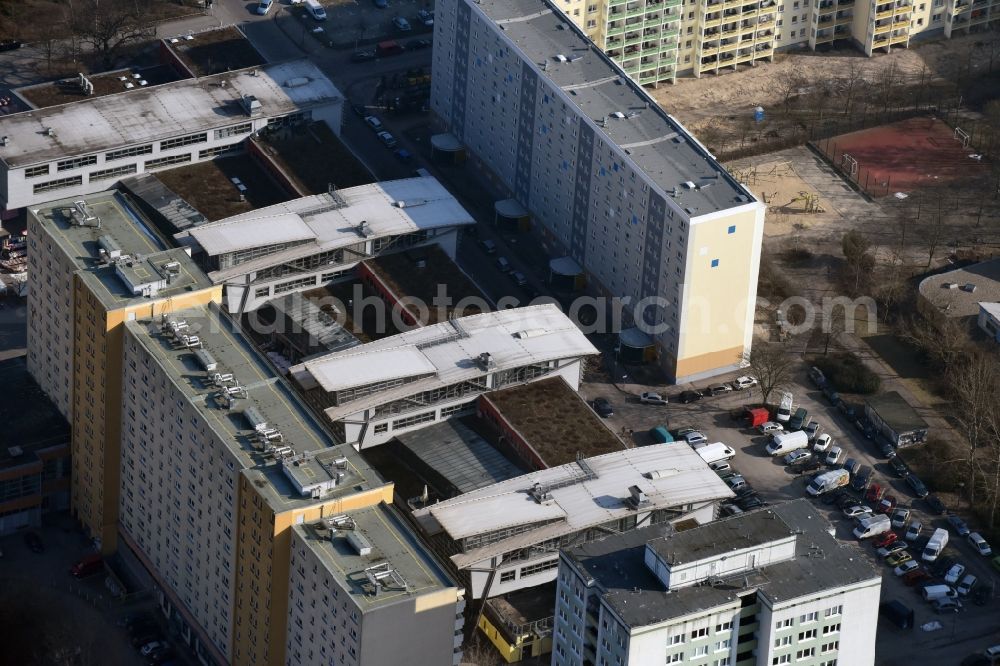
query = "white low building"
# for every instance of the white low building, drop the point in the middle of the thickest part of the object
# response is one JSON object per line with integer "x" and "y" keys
{"x": 87, "y": 146}
{"x": 507, "y": 536}
{"x": 407, "y": 381}
{"x": 989, "y": 320}
{"x": 767, "y": 588}
{"x": 307, "y": 242}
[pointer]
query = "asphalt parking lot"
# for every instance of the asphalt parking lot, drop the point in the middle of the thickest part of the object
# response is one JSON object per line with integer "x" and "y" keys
{"x": 958, "y": 636}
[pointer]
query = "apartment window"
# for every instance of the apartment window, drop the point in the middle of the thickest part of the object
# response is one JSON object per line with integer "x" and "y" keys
{"x": 184, "y": 141}
{"x": 807, "y": 635}
{"x": 262, "y": 292}
{"x": 533, "y": 569}
{"x": 167, "y": 161}
{"x": 732, "y": 229}
{"x": 591, "y": 9}
{"x": 57, "y": 184}
{"x": 721, "y": 662}
{"x": 809, "y": 617}
{"x": 782, "y": 642}
{"x": 723, "y": 645}
{"x": 215, "y": 151}
{"x": 381, "y": 428}
{"x": 676, "y": 640}
{"x": 591, "y": 23}
{"x": 783, "y": 624}
{"x": 829, "y": 647}
{"x": 454, "y": 409}
{"x": 413, "y": 420}
{"x": 235, "y": 130}
{"x": 699, "y": 633}
{"x": 724, "y": 626}
{"x": 805, "y": 654}
{"x": 675, "y": 658}
{"x": 783, "y": 659}
{"x": 76, "y": 163}
{"x": 128, "y": 152}
{"x": 508, "y": 576}
{"x": 936, "y": 18}
{"x": 294, "y": 284}
{"x": 835, "y": 610}
{"x": 699, "y": 652}
{"x": 36, "y": 171}
{"x": 832, "y": 629}
{"x": 106, "y": 174}
{"x": 715, "y": 263}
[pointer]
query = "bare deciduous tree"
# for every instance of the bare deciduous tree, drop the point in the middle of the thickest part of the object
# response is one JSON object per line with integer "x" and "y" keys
{"x": 973, "y": 384}
{"x": 109, "y": 25}
{"x": 860, "y": 262}
{"x": 772, "y": 364}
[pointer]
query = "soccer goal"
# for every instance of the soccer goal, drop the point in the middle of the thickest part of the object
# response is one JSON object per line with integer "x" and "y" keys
{"x": 849, "y": 164}
{"x": 962, "y": 137}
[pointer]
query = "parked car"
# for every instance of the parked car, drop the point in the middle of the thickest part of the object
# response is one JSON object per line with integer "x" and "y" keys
{"x": 886, "y": 505}
{"x": 900, "y": 517}
{"x": 817, "y": 377}
{"x": 935, "y": 504}
{"x": 9, "y": 45}
{"x": 852, "y": 466}
{"x": 918, "y": 487}
{"x": 812, "y": 429}
{"x": 856, "y": 511}
{"x": 374, "y": 123}
{"x": 808, "y": 465}
{"x": 913, "y": 531}
{"x": 894, "y": 547}
{"x": 908, "y": 568}
{"x": 388, "y": 140}
{"x": 885, "y": 539}
{"x": 967, "y": 583}
{"x": 915, "y": 574}
{"x": 264, "y": 6}
{"x": 362, "y": 56}
{"x": 822, "y": 443}
{"x": 519, "y": 278}
{"x": 401, "y": 24}
{"x": 980, "y": 545}
{"x": 771, "y": 427}
{"x": 426, "y": 18}
{"x": 941, "y": 566}
{"x": 718, "y": 389}
{"x": 688, "y": 397}
{"x": 34, "y": 542}
{"x": 797, "y": 456}
{"x": 696, "y": 437}
{"x": 417, "y": 44}
{"x": 896, "y": 559}
{"x": 720, "y": 466}
{"x": 651, "y": 398}
{"x": 603, "y": 407}
{"x": 744, "y": 382}
{"x": 885, "y": 448}
{"x": 898, "y": 467}
{"x": 958, "y": 525}
{"x": 381, "y": 4}
{"x": 941, "y": 606}
{"x": 748, "y": 502}
{"x": 681, "y": 432}
{"x": 151, "y": 647}
{"x": 954, "y": 574}
{"x": 736, "y": 482}
{"x": 833, "y": 455}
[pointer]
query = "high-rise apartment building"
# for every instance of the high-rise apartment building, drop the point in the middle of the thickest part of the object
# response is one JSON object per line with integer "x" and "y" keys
{"x": 657, "y": 41}
{"x": 94, "y": 265}
{"x": 220, "y": 461}
{"x": 364, "y": 571}
{"x": 610, "y": 179}
{"x": 766, "y": 588}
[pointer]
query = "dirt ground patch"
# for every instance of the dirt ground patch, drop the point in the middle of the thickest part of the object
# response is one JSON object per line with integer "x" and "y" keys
{"x": 216, "y": 51}
{"x": 65, "y": 91}
{"x": 207, "y": 186}
{"x": 316, "y": 158}
{"x": 39, "y": 20}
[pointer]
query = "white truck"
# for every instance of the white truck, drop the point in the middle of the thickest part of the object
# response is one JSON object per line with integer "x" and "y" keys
{"x": 827, "y": 481}
{"x": 786, "y": 442}
{"x": 935, "y": 545}
{"x": 785, "y": 407}
{"x": 716, "y": 452}
{"x": 872, "y": 526}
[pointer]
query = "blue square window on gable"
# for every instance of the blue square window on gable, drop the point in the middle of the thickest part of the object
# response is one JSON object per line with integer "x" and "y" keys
{"x": 615, "y": 166}
{"x": 732, "y": 229}
{"x": 603, "y": 172}
{"x": 715, "y": 263}
{"x": 635, "y": 219}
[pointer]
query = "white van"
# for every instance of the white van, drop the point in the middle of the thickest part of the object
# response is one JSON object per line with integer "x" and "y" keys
{"x": 315, "y": 10}
{"x": 872, "y": 526}
{"x": 712, "y": 453}
{"x": 786, "y": 442}
{"x": 932, "y": 592}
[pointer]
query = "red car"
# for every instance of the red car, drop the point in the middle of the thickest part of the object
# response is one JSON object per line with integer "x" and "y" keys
{"x": 875, "y": 493}
{"x": 916, "y": 576}
{"x": 886, "y": 504}
{"x": 885, "y": 540}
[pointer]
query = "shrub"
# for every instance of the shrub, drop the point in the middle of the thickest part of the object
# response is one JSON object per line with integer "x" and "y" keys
{"x": 848, "y": 373}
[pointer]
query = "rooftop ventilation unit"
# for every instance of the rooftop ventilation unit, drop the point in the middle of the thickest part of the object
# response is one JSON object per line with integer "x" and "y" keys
{"x": 270, "y": 435}
{"x": 619, "y": 115}
{"x": 236, "y": 391}
{"x": 297, "y": 82}
{"x": 208, "y": 362}
{"x": 382, "y": 575}
{"x": 561, "y": 58}
{"x": 109, "y": 248}
{"x": 530, "y": 333}
{"x": 541, "y": 494}
{"x": 281, "y": 451}
{"x": 222, "y": 379}
{"x": 342, "y": 522}
{"x": 637, "y": 498}
{"x": 15, "y": 451}
{"x": 361, "y": 545}
{"x": 251, "y": 105}
{"x": 4, "y": 140}
{"x": 365, "y": 229}
{"x": 485, "y": 361}
{"x": 48, "y": 131}
{"x": 189, "y": 341}
{"x": 81, "y": 216}
{"x": 969, "y": 287}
